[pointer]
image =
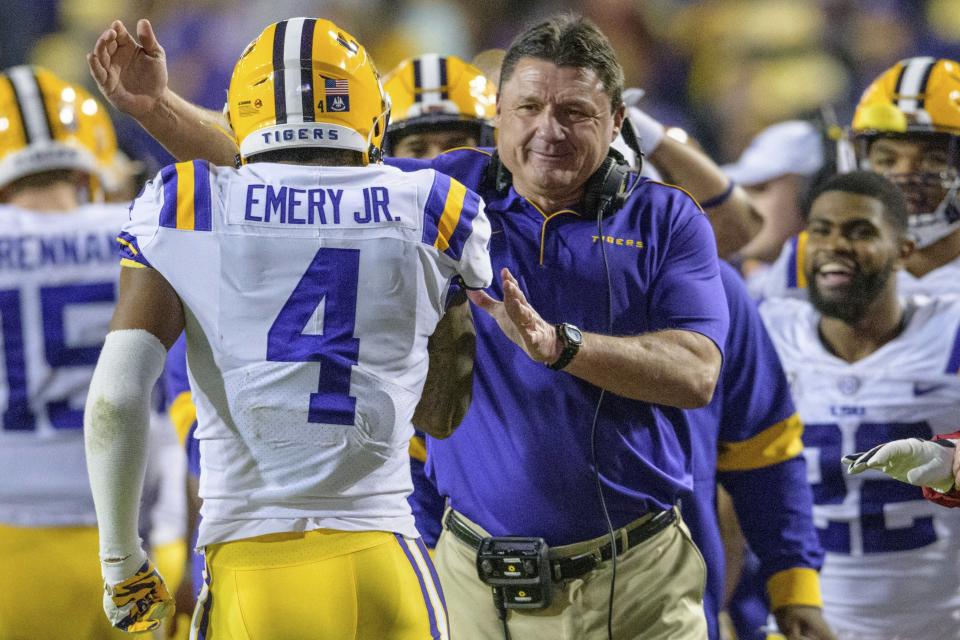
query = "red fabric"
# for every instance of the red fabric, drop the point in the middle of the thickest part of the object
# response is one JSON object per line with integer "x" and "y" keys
{"x": 951, "y": 499}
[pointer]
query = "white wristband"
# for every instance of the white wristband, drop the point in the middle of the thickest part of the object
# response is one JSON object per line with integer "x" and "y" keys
{"x": 648, "y": 130}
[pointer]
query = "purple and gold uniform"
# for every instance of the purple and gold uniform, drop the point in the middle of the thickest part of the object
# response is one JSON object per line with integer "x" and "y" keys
{"x": 523, "y": 449}
{"x": 323, "y": 475}
{"x": 752, "y": 422}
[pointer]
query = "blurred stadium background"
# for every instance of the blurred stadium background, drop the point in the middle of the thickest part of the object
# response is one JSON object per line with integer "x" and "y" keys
{"x": 722, "y": 69}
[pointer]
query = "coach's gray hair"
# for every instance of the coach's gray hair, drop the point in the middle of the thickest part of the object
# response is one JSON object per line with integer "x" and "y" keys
{"x": 569, "y": 40}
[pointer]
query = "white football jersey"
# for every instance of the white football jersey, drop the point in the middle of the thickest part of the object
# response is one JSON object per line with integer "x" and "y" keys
{"x": 892, "y": 568}
{"x": 785, "y": 279}
{"x": 309, "y": 295}
{"x": 58, "y": 275}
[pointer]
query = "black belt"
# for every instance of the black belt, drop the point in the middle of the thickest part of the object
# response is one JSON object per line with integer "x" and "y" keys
{"x": 581, "y": 564}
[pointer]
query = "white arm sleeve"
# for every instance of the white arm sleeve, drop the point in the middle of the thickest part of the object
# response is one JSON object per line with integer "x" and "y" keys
{"x": 115, "y": 425}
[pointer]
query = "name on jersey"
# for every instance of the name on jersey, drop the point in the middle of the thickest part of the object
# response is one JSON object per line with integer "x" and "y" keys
{"x": 30, "y": 252}
{"x": 270, "y": 204}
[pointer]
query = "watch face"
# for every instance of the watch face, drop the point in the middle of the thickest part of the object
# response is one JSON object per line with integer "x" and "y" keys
{"x": 572, "y": 334}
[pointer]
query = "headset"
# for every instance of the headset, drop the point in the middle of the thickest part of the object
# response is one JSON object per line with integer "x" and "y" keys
{"x": 605, "y": 192}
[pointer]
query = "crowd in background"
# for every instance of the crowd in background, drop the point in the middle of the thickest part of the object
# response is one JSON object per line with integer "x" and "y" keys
{"x": 721, "y": 69}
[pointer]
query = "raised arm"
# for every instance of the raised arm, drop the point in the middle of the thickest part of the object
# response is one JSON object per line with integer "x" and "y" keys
{"x": 132, "y": 76}
{"x": 734, "y": 220}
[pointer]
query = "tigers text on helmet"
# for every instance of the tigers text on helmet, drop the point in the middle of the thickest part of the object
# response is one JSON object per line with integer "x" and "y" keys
{"x": 907, "y": 127}
{"x": 47, "y": 124}
{"x": 432, "y": 92}
{"x": 305, "y": 82}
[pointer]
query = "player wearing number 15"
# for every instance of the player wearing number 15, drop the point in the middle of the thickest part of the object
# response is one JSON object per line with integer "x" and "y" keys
{"x": 865, "y": 368}
{"x": 308, "y": 282}
{"x": 57, "y": 285}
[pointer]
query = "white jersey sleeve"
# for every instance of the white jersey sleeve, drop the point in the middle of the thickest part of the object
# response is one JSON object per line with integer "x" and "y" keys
{"x": 309, "y": 295}
{"x": 784, "y": 278}
{"x": 58, "y": 282}
{"x": 892, "y": 568}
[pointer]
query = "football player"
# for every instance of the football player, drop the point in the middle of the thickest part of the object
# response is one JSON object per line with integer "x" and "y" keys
{"x": 58, "y": 280}
{"x": 309, "y": 260}
{"x": 866, "y": 367}
{"x": 906, "y": 128}
{"x": 438, "y": 103}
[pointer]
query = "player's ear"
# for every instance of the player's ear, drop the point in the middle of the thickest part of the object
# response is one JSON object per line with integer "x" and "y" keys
{"x": 906, "y": 246}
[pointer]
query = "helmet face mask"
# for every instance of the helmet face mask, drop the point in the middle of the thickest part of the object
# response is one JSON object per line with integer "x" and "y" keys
{"x": 907, "y": 128}
{"x": 306, "y": 83}
{"x": 433, "y": 93}
{"x": 47, "y": 124}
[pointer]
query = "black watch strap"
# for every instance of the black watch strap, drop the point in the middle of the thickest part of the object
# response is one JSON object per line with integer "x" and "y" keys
{"x": 571, "y": 346}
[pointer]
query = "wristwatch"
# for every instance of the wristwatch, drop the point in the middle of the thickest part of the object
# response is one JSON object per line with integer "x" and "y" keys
{"x": 571, "y": 338}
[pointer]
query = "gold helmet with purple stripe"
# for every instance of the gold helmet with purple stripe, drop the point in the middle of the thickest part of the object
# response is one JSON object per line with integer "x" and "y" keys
{"x": 305, "y": 82}
{"x": 431, "y": 91}
{"x": 48, "y": 124}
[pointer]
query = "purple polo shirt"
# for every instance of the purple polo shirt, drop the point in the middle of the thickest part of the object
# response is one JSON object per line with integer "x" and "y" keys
{"x": 520, "y": 463}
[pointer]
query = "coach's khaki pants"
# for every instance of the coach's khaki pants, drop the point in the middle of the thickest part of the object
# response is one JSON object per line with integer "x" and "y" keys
{"x": 659, "y": 595}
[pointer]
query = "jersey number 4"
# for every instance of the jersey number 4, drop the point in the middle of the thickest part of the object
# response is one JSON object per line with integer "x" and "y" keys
{"x": 331, "y": 280}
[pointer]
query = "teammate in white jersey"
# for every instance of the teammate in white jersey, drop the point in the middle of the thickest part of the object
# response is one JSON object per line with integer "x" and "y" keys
{"x": 867, "y": 367}
{"x": 308, "y": 281}
{"x": 907, "y": 128}
{"x": 57, "y": 288}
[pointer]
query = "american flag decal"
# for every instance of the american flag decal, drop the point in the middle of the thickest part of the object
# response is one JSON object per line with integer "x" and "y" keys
{"x": 337, "y": 94}
{"x": 335, "y": 87}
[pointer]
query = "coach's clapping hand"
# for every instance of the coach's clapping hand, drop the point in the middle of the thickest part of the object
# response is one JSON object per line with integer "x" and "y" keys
{"x": 519, "y": 321}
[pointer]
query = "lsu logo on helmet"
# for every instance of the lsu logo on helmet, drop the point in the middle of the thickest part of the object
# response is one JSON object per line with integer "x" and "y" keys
{"x": 432, "y": 90}
{"x": 47, "y": 124}
{"x": 305, "y": 82}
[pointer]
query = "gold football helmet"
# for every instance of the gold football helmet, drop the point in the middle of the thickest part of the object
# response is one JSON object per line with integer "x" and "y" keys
{"x": 435, "y": 92}
{"x": 305, "y": 82}
{"x": 914, "y": 107}
{"x": 47, "y": 124}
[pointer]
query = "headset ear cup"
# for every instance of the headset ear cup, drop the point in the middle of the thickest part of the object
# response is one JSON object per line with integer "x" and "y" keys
{"x": 605, "y": 191}
{"x": 593, "y": 190}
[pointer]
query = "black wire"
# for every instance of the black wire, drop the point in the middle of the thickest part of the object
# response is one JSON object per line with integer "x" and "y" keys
{"x": 596, "y": 415}
{"x": 593, "y": 433}
{"x": 606, "y": 516}
{"x": 502, "y": 612}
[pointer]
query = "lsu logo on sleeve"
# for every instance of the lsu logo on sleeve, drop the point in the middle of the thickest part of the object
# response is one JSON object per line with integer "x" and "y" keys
{"x": 448, "y": 216}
